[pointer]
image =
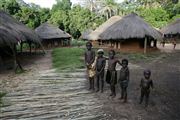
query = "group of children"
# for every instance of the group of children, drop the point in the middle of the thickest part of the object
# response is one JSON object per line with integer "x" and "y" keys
{"x": 96, "y": 69}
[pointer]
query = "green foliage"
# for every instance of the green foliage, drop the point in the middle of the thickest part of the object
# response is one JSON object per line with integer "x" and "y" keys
{"x": 157, "y": 17}
{"x": 67, "y": 58}
{"x": 78, "y": 43}
{"x": 62, "y": 5}
{"x": 2, "y": 94}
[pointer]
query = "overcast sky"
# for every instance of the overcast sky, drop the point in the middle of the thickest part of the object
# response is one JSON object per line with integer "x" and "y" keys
{"x": 49, "y": 3}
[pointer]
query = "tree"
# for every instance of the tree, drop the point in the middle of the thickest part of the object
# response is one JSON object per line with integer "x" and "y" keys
{"x": 62, "y": 5}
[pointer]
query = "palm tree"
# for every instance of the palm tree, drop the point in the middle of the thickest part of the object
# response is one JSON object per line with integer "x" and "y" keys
{"x": 108, "y": 8}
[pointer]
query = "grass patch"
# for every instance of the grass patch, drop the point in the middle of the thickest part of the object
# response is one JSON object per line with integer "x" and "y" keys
{"x": 2, "y": 94}
{"x": 78, "y": 43}
{"x": 68, "y": 58}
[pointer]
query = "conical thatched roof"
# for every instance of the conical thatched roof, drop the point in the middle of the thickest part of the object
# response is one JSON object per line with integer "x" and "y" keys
{"x": 85, "y": 34}
{"x": 48, "y": 31}
{"x": 130, "y": 26}
{"x": 173, "y": 28}
{"x": 95, "y": 35}
{"x": 13, "y": 31}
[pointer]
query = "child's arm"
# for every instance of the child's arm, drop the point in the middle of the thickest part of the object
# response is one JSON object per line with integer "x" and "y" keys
{"x": 151, "y": 84}
{"x": 93, "y": 58}
{"x": 119, "y": 62}
{"x": 104, "y": 64}
{"x": 128, "y": 75}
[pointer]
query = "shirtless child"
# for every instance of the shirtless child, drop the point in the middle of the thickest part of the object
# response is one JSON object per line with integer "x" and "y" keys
{"x": 111, "y": 76}
{"x": 89, "y": 61}
{"x": 100, "y": 65}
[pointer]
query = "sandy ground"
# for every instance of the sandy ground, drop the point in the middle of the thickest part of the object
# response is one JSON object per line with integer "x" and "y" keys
{"x": 31, "y": 64}
{"x": 164, "y": 99}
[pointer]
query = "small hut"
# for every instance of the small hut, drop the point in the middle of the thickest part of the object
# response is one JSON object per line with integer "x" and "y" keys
{"x": 16, "y": 28}
{"x": 12, "y": 33}
{"x": 172, "y": 30}
{"x": 95, "y": 35}
{"x": 131, "y": 33}
{"x": 84, "y": 35}
{"x": 52, "y": 35}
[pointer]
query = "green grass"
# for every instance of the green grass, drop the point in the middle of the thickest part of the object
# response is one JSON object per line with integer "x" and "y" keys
{"x": 2, "y": 94}
{"x": 68, "y": 58}
{"x": 78, "y": 43}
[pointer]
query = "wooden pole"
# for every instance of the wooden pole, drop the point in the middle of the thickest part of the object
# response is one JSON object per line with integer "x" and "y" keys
{"x": 145, "y": 45}
{"x": 21, "y": 46}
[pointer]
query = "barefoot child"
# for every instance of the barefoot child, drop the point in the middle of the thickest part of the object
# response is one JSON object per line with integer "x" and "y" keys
{"x": 145, "y": 85}
{"x": 124, "y": 79}
{"x": 111, "y": 76}
{"x": 89, "y": 60}
{"x": 100, "y": 65}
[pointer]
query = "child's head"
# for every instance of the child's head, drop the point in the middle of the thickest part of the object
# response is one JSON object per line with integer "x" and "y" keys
{"x": 124, "y": 63}
{"x": 89, "y": 45}
{"x": 147, "y": 74}
{"x": 100, "y": 52}
{"x": 111, "y": 54}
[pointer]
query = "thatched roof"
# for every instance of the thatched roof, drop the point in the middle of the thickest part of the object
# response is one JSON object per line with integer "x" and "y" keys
{"x": 130, "y": 26}
{"x": 85, "y": 34}
{"x": 95, "y": 35}
{"x": 49, "y": 31}
{"x": 13, "y": 31}
{"x": 173, "y": 28}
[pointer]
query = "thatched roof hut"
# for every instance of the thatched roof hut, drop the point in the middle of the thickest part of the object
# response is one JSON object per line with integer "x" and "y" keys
{"x": 130, "y": 26}
{"x": 49, "y": 31}
{"x": 95, "y": 35}
{"x": 15, "y": 31}
{"x": 173, "y": 28}
{"x": 85, "y": 34}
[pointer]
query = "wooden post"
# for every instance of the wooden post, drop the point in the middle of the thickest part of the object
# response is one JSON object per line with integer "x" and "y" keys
{"x": 21, "y": 46}
{"x": 30, "y": 46}
{"x": 145, "y": 45}
{"x": 119, "y": 45}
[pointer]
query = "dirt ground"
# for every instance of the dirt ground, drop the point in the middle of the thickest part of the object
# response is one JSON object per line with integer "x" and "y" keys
{"x": 164, "y": 99}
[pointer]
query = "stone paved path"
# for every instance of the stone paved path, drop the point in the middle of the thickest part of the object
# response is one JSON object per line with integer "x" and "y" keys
{"x": 53, "y": 96}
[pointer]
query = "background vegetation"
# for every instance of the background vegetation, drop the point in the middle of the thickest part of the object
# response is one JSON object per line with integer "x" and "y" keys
{"x": 91, "y": 13}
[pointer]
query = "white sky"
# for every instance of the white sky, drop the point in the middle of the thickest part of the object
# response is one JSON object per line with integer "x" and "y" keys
{"x": 49, "y": 3}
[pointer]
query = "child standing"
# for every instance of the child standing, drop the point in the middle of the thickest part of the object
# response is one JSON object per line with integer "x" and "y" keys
{"x": 89, "y": 60}
{"x": 100, "y": 65}
{"x": 111, "y": 76}
{"x": 124, "y": 79}
{"x": 145, "y": 85}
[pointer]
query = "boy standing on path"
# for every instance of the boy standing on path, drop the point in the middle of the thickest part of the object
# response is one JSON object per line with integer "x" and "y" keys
{"x": 145, "y": 85}
{"x": 89, "y": 61}
{"x": 111, "y": 76}
{"x": 124, "y": 79}
{"x": 100, "y": 65}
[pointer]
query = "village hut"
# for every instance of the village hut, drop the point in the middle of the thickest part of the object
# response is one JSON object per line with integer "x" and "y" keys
{"x": 84, "y": 35}
{"x": 95, "y": 35}
{"x": 12, "y": 33}
{"x": 172, "y": 30}
{"x": 22, "y": 33}
{"x": 52, "y": 35}
{"x": 131, "y": 33}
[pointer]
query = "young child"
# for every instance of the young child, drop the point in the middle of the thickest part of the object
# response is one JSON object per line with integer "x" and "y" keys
{"x": 111, "y": 76}
{"x": 100, "y": 65}
{"x": 124, "y": 79}
{"x": 145, "y": 85}
{"x": 89, "y": 60}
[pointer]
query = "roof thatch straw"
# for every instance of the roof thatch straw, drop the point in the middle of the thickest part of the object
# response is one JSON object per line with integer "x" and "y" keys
{"x": 48, "y": 31}
{"x": 8, "y": 37}
{"x": 85, "y": 34}
{"x": 173, "y": 28}
{"x": 130, "y": 26}
{"x": 95, "y": 35}
{"x": 12, "y": 30}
